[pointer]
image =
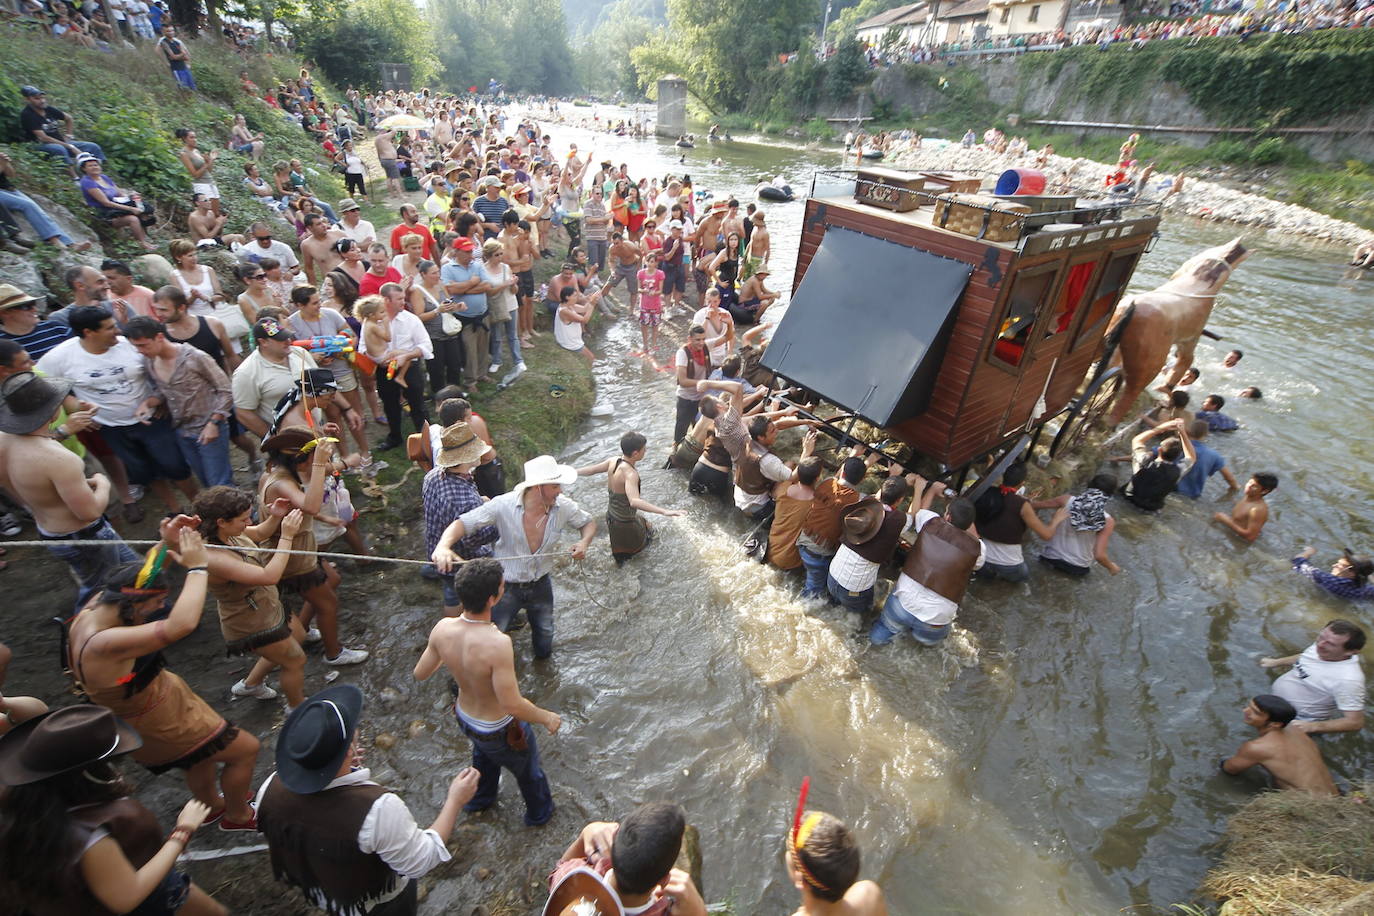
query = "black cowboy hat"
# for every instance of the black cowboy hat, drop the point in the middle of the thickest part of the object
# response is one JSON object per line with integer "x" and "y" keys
{"x": 28, "y": 401}
{"x": 316, "y": 737}
{"x": 61, "y": 741}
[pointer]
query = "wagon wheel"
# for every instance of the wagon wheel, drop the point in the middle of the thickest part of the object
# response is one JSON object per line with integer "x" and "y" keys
{"x": 1087, "y": 411}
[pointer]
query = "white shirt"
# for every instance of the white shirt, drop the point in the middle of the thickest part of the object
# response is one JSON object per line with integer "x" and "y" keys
{"x": 115, "y": 381}
{"x": 253, "y": 253}
{"x": 1072, "y": 546}
{"x": 408, "y": 332}
{"x": 507, "y": 513}
{"x": 1320, "y": 689}
{"x": 363, "y": 232}
{"x": 721, "y": 350}
{"x": 775, "y": 470}
{"x": 390, "y": 832}
{"x": 853, "y": 572}
{"x": 920, "y": 602}
{"x": 568, "y": 334}
{"x": 259, "y": 384}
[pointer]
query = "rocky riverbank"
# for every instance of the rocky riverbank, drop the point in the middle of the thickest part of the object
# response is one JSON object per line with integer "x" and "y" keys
{"x": 1198, "y": 198}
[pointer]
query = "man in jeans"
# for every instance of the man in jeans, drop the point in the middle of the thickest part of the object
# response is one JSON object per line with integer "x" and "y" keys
{"x": 197, "y": 395}
{"x": 871, "y": 530}
{"x": 529, "y": 519}
{"x": 595, "y": 223}
{"x": 490, "y": 709}
{"x": 463, "y": 283}
{"x": 51, "y": 481}
{"x": 448, "y": 491}
{"x": 108, "y": 372}
{"x": 51, "y": 128}
{"x": 820, "y": 534}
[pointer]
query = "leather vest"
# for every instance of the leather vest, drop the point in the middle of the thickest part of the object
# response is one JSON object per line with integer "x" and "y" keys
{"x": 132, "y": 826}
{"x": 313, "y": 842}
{"x": 1008, "y": 527}
{"x": 748, "y": 475}
{"x": 942, "y": 559}
{"x": 825, "y": 519}
{"x": 880, "y": 547}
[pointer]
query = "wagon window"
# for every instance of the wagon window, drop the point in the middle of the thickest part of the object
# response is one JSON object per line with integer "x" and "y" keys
{"x": 1071, "y": 296}
{"x": 1023, "y": 307}
{"x": 1114, "y": 277}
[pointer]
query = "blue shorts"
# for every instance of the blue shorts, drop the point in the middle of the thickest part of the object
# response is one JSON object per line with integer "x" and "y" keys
{"x": 674, "y": 278}
{"x": 184, "y": 78}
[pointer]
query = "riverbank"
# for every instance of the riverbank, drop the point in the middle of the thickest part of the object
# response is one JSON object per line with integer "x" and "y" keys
{"x": 1204, "y": 200}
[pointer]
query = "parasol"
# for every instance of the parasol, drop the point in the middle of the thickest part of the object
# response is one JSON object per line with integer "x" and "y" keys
{"x": 403, "y": 122}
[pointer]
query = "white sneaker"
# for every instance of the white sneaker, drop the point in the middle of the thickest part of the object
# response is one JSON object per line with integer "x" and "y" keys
{"x": 260, "y": 692}
{"x": 514, "y": 374}
{"x": 312, "y": 635}
{"x": 493, "y": 368}
{"x": 347, "y": 657}
{"x": 135, "y": 492}
{"x": 9, "y": 525}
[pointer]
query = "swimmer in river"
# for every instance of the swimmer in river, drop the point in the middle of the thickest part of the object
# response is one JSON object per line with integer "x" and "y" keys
{"x": 490, "y": 709}
{"x": 1252, "y": 393}
{"x": 1189, "y": 377}
{"x": 1288, "y": 757}
{"x": 823, "y": 865}
{"x": 1248, "y": 516}
{"x": 1232, "y": 358}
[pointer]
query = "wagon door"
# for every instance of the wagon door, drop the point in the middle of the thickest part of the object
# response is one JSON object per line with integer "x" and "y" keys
{"x": 1019, "y": 346}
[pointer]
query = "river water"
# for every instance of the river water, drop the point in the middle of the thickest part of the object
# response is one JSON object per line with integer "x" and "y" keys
{"x": 1058, "y": 754}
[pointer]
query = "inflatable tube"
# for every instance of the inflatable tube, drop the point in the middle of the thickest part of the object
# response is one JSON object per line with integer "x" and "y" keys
{"x": 874, "y": 154}
{"x": 686, "y": 145}
{"x": 772, "y": 192}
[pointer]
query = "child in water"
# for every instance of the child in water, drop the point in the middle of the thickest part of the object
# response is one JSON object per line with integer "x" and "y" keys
{"x": 377, "y": 338}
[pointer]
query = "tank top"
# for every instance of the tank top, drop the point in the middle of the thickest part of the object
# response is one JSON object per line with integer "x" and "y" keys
{"x": 205, "y": 286}
{"x": 204, "y": 340}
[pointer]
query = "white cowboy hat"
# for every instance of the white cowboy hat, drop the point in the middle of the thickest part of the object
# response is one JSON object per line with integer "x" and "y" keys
{"x": 545, "y": 470}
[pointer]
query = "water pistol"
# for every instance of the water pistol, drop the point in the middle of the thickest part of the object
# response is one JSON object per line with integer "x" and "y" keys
{"x": 326, "y": 345}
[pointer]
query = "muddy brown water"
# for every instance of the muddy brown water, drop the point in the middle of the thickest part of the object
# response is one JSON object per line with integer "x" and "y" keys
{"x": 1057, "y": 755}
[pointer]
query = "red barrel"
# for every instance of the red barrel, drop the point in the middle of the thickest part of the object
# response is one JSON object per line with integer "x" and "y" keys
{"x": 1020, "y": 181}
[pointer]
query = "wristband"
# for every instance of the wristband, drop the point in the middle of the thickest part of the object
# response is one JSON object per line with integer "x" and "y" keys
{"x": 199, "y": 569}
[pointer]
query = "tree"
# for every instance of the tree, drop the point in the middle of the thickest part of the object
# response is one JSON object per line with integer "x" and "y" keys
{"x": 846, "y": 70}
{"x": 349, "y": 42}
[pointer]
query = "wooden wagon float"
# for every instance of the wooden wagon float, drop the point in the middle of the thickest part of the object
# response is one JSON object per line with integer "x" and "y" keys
{"x": 962, "y": 323}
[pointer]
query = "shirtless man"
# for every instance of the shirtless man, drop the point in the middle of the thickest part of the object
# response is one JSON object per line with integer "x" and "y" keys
{"x": 759, "y": 247}
{"x": 318, "y": 256}
{"x": 1289, "y": 756}
{"x": 205, "y": 223}
{"x": 734, "y": 221}
{"x": 704, "y": 241}
{"x": 520, "y": 256}
{"x": 51, "y": 480}
{"x": 1248, "y": 516}
{"x": 624, "y": 256}
{"x": 490, "y": 709}
{"x": 823, "y": 865}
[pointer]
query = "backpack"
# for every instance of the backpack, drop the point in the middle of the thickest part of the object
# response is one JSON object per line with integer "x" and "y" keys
{"x": 1150, "y": 485}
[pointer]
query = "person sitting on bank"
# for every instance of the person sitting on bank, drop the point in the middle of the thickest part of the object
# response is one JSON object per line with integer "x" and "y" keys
{"x": 1003, "y": 516}
{"x": 1155, "y": 474}
{"x": 1326, "y": 684}
{"x": 1082, "y": 529}
{"x": 627, "y": 867}
{"x": 72, "y": 838}
{"x": 351, "y": 846}
{"x": 1217, "y": 421}
{"x": 1287, "y": 757}
{"x": 823, "y": 865}
{"x": 870, "y": 531}
{"x": 628, "y": 530}
{"x": 1248, "y": 516}
{"x": 925, "y": 598}
{"x": 1348, "y": 578}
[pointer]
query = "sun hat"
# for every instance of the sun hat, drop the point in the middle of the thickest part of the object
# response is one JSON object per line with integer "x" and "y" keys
{"x": 862, "y": 521}
{"x": 12, "y": 296}
{"x": 546, "y": 470}
{"x": 29, "y": 401}
{"x": 458, "y": 444}
{"x": 315, "y": 739}
{"x": 674, "y": 224}
{"x": 289, "y": 439}
{"x": 347, "y": 204}
{"x": 582, "y": 892}
{"x": 63, "y": 740}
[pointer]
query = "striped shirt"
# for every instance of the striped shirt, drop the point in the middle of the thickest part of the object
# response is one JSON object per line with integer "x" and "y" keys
{"x": 44, "y": 336}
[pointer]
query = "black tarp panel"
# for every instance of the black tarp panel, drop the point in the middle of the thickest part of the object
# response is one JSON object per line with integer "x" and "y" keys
{"x": 867, "y": 327}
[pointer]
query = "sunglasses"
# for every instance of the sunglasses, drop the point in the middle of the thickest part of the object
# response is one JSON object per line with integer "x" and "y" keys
{"x": 258, "y": 277}
{"x": 26, "y": 307}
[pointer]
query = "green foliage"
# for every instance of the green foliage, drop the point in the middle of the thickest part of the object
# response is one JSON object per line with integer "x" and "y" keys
{"x": 141, "y": 151}
{"x": 349, "y": 42}
{"x": 846, "y": 70}
{"x": 603, "y": 59}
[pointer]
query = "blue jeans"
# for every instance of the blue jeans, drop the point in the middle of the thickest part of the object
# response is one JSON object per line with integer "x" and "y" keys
{"x": 209, "y": 462}
{"x": 490, "y": 752}
{"x": 858, "y": 602}
{"x": 596, "y": 252}
{"x": 60, "y": 151}
{"x": 150, "y": 451}
{"x": 91, "y": 565}
{"x": 817, "y": 572}
{"x": 897, "y": 619}
{"x": 505, "y": 329}
{"x": 184, "y": 78}
{"x": 42, "y": 224}
{"x": 1018, "y": 573}
{"x": 537, "y": 599}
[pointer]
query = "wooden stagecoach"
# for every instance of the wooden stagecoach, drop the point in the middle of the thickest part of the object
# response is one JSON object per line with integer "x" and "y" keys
{"x": 963, "y": 324}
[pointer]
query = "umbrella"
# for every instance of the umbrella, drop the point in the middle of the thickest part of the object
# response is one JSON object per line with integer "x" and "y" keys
{"x": 403, "y": 122}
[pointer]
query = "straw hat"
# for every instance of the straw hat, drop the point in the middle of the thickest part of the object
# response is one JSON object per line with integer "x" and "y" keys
{"x": 12, "y": 296}
{"x": 458, "y": 444}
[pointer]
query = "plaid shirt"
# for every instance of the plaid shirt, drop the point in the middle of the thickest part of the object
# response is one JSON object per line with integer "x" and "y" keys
{"x": 1336, "y": 585}
{"x": 446, "y": 497}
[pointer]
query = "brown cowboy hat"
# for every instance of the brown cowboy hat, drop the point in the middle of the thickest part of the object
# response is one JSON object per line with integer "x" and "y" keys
{"x": 862, "y": 521}
{"x": 289, "y": 439}
{"x": 458, "y": 444}
{"x": 28, "y": 401}
{"x": 12, "y": 296}
{"x": 61, "y": 741}
{"x": 581, "y": 892}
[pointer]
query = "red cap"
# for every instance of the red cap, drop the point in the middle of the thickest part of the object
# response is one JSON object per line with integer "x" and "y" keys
{"x": 462, "y": 243}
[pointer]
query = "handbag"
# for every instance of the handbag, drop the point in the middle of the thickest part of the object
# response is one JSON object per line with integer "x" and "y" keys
{"x": 449, "y": 324}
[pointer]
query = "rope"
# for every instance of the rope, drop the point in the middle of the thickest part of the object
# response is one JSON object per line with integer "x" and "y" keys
{"x": 312, "y": 553}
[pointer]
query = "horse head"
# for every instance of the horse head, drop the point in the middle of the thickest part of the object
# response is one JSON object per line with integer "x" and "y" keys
{"x": 1206, "y": 272}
